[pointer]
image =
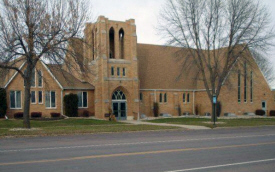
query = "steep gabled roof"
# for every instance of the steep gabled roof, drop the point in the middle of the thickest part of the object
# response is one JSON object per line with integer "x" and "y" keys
{"x": 68, "y": 81}
{"x": 6, "y": 75}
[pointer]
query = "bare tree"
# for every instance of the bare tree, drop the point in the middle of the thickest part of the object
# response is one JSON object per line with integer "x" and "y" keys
{"x": 265, "y": 66}
{"x": 31, "y": 30}
{"x": 217, "y": 35}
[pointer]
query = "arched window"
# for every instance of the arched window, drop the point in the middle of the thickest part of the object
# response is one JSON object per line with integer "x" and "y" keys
{"x": 118, "y": 95}
{"x": 121, "y": 43}
{"x": 183, "y": 98}
{"x": 165, "y": 97}
{"x": 112, "y": 43}
{"x": 160, "y": 97}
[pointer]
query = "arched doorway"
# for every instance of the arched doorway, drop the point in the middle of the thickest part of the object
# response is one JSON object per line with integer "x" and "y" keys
{"x": 119, "y": 105}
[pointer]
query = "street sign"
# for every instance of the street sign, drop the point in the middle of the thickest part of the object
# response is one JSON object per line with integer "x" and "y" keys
{"x": 214, "y": 99}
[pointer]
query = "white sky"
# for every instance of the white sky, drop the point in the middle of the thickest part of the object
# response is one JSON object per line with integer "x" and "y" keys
{"x": 145, "y": 13}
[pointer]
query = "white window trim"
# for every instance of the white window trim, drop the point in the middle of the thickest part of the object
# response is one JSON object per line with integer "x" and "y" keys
{"x": 33, "y": 103}
{"x": 82, "y": 100}
{"x": 51, "y": 101}
{"x": 15, "y": 99}
{"x": 38, "y": 98}
{"x": 38, "y": 79}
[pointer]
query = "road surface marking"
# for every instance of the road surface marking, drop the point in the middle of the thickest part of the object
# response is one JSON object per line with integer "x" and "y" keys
{"x": 132, "y": 154}
{"x": 224, "y": 165}
{"x": 135, "y": 143}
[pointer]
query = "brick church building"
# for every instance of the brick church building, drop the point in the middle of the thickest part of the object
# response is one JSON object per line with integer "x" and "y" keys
{"x": 129, "y": 78}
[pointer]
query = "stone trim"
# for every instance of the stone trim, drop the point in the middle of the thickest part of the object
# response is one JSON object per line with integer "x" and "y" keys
{"x": 118, "y": 61}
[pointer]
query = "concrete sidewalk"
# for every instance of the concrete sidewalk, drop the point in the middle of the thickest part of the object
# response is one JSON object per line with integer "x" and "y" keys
{"x": 190, "y": 127}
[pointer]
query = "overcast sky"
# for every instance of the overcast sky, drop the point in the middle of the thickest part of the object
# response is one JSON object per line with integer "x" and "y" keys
{"x": 145, "y": 13}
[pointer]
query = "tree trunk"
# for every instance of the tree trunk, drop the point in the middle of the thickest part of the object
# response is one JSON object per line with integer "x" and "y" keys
{"x": 26, "y": 122}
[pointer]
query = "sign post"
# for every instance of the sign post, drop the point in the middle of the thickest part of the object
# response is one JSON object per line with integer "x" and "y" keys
{"x": 214, "y": 108}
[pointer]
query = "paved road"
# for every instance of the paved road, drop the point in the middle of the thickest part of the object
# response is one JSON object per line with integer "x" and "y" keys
{"x": 243, "y": 149}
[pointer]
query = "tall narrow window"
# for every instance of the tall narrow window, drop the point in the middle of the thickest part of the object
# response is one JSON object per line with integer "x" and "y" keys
{"x": 140, "y": 96}
{"x": 188, "y": 98}
{"x": 112, "y": 43}
{"x": 165, "y": 97}
{"x": 40, "y": 97}
{"x": 239, "y": 86}
{"x": 118, "y": 71}
{"x": 183, "y": 98}
{"x": 245, "y": 84}
{"x": 40, "y": 78}
{"x": 32, "y": 79}
{"x": 160, "y": 97}
{"x": 93, "y": 45}
{"x": 33, "y": 98}
{"x": 121, "y": 43}
{"x": 112, "y": 71}
{"x": 15, "y": 99}
{"x": 251, "y": 86}
{"x": 124, "y": 72}
{"x": 50, "y": 99}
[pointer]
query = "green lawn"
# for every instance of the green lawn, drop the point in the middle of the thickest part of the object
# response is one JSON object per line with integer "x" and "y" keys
{"x": 226, "y": 122}
{"x": 70, "y": 126}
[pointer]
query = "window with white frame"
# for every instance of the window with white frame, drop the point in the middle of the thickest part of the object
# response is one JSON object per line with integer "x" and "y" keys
{"x": 40, "y": 97}
{"x": 40, "y": 78}
{"x": 15, "y": 100}
{"x": 82, "y": 99}
{"x": 33, "y": 99}
{"x": 50, "y": 99}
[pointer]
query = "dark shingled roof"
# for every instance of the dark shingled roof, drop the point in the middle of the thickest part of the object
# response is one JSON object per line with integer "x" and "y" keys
{"x": 67, "y": 80}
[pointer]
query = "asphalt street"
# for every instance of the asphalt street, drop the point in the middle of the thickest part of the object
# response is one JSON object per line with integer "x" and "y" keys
{"x": 223, "y": 150}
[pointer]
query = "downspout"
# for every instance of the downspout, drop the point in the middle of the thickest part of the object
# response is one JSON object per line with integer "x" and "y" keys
{"x": 194, "y": 103}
